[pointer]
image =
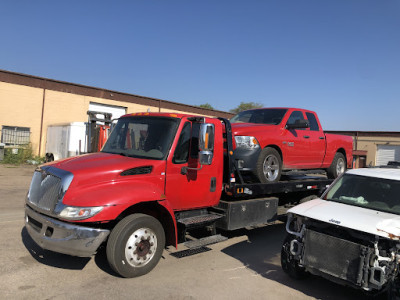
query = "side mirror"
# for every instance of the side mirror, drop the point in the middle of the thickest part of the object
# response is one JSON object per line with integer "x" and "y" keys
{"x": 206, "y": 143}
{"x": 298, "y": 124}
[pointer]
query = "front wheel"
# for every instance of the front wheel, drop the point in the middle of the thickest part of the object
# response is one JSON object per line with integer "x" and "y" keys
{"x": 337, "y": 167}
{"x": 288, "y": 263}
{"x": 269, "y": 166}
{"x": 135, "y": 245}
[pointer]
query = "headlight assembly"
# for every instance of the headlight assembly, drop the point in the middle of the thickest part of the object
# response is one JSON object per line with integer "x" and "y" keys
{"x": 248, "y": 142}
{"x": 79, "y": 213}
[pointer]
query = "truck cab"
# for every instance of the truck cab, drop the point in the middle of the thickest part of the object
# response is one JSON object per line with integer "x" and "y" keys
{"x": 152, "y": 166}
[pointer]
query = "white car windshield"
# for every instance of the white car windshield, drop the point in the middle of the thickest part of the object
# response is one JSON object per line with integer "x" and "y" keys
{"x": 368, "y": 192}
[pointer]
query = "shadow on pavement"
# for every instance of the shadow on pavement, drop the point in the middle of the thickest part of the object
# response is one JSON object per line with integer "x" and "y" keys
{"x": 261, "y": 253}
{"x": 50, "y": 258}
{"x": 101, "y": 261}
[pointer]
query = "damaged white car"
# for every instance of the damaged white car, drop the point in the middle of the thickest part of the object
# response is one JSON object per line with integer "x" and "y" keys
{"x": 351, "y": 234}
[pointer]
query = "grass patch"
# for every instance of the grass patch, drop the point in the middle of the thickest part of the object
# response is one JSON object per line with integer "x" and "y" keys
{"x": 22, "y": 155}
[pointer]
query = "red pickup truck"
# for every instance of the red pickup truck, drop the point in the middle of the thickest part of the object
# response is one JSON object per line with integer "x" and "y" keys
{"x": 270, "y": 140}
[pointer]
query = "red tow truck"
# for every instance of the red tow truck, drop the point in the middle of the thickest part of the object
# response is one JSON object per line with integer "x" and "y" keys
{"x": 158, "y": 176}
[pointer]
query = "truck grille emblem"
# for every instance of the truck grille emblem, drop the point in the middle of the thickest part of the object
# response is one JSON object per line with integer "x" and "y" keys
{"x": 335, "y": 221}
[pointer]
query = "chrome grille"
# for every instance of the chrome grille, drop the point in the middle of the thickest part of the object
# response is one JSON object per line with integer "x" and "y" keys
{"x": 44, "y": 191}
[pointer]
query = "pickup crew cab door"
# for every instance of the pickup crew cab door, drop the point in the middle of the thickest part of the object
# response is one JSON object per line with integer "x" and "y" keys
{"x": 294, "y": 145}
{"x": 316, "y": 140}
{"x": 188, "y": 184}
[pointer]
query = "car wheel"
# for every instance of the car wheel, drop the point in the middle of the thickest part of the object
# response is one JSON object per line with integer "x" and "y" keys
{"x": 135, "y": 245}
{"x": 337, "y": 167}
{"x": 269, "y": 166}
{"x": 288, "y": 263}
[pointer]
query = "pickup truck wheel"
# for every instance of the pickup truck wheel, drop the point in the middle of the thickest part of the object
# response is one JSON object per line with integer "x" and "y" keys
{"x": 269, "y": 166}
{"x": 288, "y": 263}
{"x": 135, "y": 245}
{"x": 337, "y": 167}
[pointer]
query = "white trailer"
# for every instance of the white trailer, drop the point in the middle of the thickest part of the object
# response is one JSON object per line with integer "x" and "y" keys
{"x": 66, "y": 140}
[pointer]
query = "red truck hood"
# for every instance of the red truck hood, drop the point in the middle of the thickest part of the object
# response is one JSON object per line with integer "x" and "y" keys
{"x": 100, "y": 167}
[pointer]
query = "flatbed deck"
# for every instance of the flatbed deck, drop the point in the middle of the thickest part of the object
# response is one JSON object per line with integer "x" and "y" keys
{"x": 292, "y": 183}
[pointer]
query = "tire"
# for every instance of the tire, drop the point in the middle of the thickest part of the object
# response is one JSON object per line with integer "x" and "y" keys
{"x": 290, "y": 265}
{"x": 49, "y": 157}
{"x": 135, "y": 245}
{"x": 269, "y": 166}
{"x": 337, "y": 167}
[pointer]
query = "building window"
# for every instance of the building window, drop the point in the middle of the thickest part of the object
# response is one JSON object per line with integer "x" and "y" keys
{"x": 12, "y": 136}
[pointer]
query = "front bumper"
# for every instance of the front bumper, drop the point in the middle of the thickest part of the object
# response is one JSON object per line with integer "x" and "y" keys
{"x": 246, "y": 159}
{"x": 63, "y": 237}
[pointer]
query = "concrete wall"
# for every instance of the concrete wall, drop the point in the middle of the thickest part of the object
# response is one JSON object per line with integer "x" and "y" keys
{"x": 22, "y": 106}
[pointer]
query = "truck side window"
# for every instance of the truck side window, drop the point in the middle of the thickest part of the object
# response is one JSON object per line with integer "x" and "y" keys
{"x": 194, "y": 147}
{"x": 181, "y": 154}
{"x": 313, "y": 121}
{"x": 295, "y": 117}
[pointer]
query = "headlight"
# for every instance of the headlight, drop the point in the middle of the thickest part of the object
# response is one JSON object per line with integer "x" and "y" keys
{"x": 79, "y": 213}
{"x": 248, "y": 142}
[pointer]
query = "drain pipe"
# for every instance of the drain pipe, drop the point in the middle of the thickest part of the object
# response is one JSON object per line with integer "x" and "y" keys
{"x": 41, "y": 121}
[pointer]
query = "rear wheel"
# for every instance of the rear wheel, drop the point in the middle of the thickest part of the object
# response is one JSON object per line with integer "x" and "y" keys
{"x": 135, "y": 245}
{"x": 269, "y": 166}
{"x": 289, "y": 264}
{"x": 337, "y": 167}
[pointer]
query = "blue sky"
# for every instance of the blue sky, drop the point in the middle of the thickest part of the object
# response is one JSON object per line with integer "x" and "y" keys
{"x": 340, "y": 58}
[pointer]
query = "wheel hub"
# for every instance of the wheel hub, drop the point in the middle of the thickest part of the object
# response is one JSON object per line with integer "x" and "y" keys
{"x": 340, "y": 167}
{"x": 270, "y": 168}
{"x": 141, "y": 247}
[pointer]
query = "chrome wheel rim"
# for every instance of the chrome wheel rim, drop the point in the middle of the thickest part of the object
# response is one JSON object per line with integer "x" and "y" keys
{"x": 340, "y": 166}
{"x": 141, "y": 247}
{"x": 271, "y": 167}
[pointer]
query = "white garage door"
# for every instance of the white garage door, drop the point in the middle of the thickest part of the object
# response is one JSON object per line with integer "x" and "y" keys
{"x": 386, "y": 153}
{"x": 116, "y": 111}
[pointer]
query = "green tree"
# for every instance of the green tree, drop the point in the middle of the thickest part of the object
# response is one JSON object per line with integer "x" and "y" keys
{"x": 206, "y": 106}
{"x": 245, "y": 106}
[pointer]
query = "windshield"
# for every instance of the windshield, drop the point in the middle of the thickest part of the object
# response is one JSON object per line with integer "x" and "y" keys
{"x": 142, "y": 137}
{"x": 368, "y": 192}
{"x": 272, "y": 116}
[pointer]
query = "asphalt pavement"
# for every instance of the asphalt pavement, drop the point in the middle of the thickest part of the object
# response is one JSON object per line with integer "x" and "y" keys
{"x": 246, "y": 266}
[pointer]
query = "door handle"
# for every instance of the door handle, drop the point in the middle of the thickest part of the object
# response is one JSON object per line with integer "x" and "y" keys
{"x": 213, "y": 184}
{"x": 306, "y": 136}
{"x": 321, "y": 138}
